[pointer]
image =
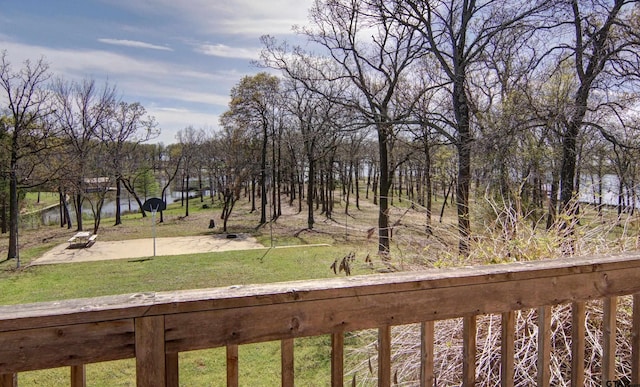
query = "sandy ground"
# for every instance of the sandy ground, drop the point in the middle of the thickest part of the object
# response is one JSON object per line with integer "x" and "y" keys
{"x": 139, "y": 248}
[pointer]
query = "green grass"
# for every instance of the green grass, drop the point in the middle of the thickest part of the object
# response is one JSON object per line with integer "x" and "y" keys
{"x": 34, "y": 201}
{"x": 166, "y": 273}
{"x": 259, "y": 363}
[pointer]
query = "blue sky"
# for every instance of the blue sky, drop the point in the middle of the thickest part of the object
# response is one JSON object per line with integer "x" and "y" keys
{"x": 180, "y": 59}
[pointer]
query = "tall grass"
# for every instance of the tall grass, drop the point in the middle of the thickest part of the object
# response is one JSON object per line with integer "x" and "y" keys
{"x": 504, "y": 234}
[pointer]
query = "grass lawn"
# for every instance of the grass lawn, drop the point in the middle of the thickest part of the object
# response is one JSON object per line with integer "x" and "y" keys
{"x": 166, "y": 273}
{"x": 259, "y": 363}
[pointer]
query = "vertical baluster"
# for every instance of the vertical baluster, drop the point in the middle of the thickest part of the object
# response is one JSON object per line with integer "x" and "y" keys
{"x": 337, "y": 359}
{"x": 384, "y": 356}
{"x": 172, "y": 369}
{"x": 426, "y": 354}
{"x": 150, "y": 354}
{"x": 635, "y": 341}
{"x": 8, "y": 380}
{"x": 469, "y": 332}
{"x": 609, "y": 339}
{"x": 507, "y": 349}
{"x": 577, "y": 344}
{"x": 78, "y": 376}
{"x": 286, "y": 353}
{"x": 232, "y": 366}
{"x": 544, "y": 345}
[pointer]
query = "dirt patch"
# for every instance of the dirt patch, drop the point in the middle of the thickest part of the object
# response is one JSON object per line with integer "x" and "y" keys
{"x": 140, "y": 248}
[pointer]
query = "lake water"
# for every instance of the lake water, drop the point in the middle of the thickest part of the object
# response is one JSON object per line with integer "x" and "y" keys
{"x": 127, "y": 204}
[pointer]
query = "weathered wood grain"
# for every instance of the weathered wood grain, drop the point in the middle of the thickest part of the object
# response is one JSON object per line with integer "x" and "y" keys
{"x": 507, "y": 349}
{"x": 8, "y": 380}
{"x": 286, "y": 363}
{"x": 156, "y": 326}
{"x": 469, "y": 332}
{"x": 427, "y": 339}
{"x": 578, "y": 327}
{"x": 150, "y": 352}
{"x": 67, "y": 345}
{"x": 384, "y": 356}
{"x": 544, "y": 346}
{"x": 78, "y": 376}
{"x": 219, "y": 327}
{"x": 172, "y": 369}
{"x": 232, "y": 366}
{"x": 146, "y": 304}
{"x": 609, "y": 309}
{"x": 337, "y": 359}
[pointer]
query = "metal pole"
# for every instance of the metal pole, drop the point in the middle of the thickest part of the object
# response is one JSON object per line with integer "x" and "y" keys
{"x": 153, "y": 219}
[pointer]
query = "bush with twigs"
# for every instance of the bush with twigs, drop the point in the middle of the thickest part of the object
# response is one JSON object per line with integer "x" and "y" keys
{"x": 507, "y": 235}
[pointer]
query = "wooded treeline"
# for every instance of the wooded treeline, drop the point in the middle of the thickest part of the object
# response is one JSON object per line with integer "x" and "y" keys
{"x": 398, "y": 99}
{"x": 526, "y": 97}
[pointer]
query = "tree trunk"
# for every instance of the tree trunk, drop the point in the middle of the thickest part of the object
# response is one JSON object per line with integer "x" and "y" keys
{"x": 253, "y": 194}
{"x": 133, "y": 193}
{"x": 13, "y": 213}
{"x": 553, "y": 201}
{"x": 427, "y": 184}
{"x": 349, "y": 184}
{"x": 118, "y": 194}
{"x": 200, "y": 186}
{"x": 3, "y": 214}
{"x": 461, "y": 110}
{"x": 357, "y": 178}
{"x": 186, "y": 209}
{"x": 263, "y": 177}
{"x": 384, "y": 185}
{"x": 310, "y": 190}
{"x": 78, "y": 205}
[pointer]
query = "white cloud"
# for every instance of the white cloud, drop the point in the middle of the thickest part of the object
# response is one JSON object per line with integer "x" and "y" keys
{"x": 245, "y": 17}
{"x": 172, "y": 120}
{"x": 174, "y": 87}
{"x": 224, "y": 51}
{"x": 133, "y": 43}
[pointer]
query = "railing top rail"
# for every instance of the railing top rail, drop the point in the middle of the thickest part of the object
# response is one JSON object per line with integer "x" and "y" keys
{"x": 73, "y": 311}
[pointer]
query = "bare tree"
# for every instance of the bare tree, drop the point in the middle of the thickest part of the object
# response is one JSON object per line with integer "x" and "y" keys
{"x": 604, "y": 51}
{"x": 373, "y": 53}
{"x": 190, "y": 140}
{"x": 254, "y": 104}
{"x": 316, "y": 119}
{"x": 126, "y": 127}
{"x": 457, "y": 35}
{"x": 237, "y": 157}
{"x": 82, "y": 109}
{"x": 29, "y": 133}
{"x": 171, "y": 157}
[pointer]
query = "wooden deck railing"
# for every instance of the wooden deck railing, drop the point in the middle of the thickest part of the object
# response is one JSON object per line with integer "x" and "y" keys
{"x": 154, "y": 327}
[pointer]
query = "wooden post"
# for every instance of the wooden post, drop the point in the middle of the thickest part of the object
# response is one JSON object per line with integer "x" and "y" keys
{"x": 233, "y": 378}
{"x": 150, "y": 354}
{"x": 507, "y": 349}
{"x": 609, "y": 339}
{"x": 8, "y": 380}
{"x": 78, "y": 376}
{"x": 544, "y": 346}
{"x": 426, "y": 353}
{"x": 384, "y": 356}
{"x": 469, "y": 332}
{"x": 172, "y": 369}
{"x": 286, "y": 354}
{"x": 577, "y": 344}
{"x": 337, "y": 359}
{"x": 635, "y": 341}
